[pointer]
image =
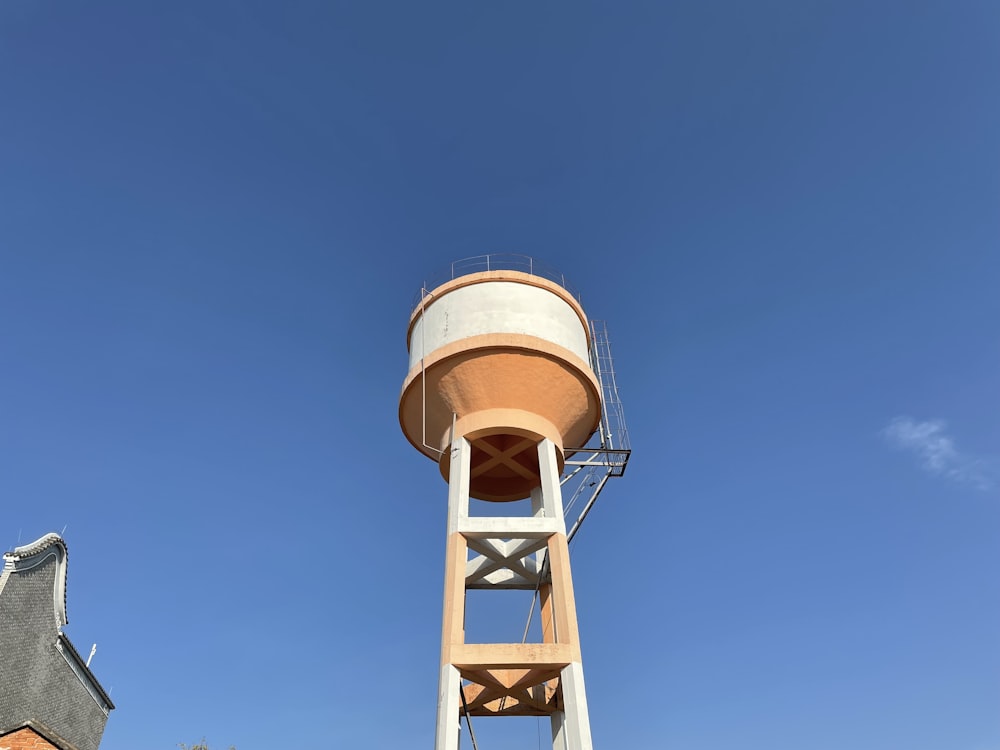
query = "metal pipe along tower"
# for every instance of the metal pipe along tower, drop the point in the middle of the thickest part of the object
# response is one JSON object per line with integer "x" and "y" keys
{"x": 507, "y": 383}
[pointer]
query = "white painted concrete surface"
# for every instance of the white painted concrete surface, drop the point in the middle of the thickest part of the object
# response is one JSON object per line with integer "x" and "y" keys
{"x": 497, "y": 307}
{"x": 446, "y": 735}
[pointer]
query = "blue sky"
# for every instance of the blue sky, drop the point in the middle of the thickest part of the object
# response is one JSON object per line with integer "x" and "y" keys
{"x": 214, "y": 217}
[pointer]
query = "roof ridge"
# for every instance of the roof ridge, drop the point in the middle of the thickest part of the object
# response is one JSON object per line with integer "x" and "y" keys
{"x": 39, "y": 545}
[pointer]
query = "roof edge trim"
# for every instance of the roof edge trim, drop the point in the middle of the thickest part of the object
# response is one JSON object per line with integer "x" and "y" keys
{"x": 65, "y": 647}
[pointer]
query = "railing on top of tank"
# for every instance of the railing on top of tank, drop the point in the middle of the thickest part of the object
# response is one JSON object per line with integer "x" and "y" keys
{"x": 494, "y": 262}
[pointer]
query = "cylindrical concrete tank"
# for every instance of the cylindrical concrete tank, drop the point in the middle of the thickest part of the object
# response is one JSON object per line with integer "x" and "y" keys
{"x": 502, "y": 355}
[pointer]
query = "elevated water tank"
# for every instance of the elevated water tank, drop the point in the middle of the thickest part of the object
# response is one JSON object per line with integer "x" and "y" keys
{"x": 501, "y": 356}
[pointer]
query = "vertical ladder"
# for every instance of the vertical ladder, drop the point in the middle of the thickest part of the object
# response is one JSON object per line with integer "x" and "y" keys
{"x": 614, "y": 433}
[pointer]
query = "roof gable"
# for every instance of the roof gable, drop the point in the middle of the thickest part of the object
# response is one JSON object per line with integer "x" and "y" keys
{"x": 39, "y": 730}
{"x": 29, "y": 556}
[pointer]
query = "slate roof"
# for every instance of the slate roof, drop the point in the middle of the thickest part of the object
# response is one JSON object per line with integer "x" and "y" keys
{"x": 43, "y": 680}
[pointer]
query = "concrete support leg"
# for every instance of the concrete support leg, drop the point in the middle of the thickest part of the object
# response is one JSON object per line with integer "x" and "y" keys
{"x": 551, "y": 491}
{"x": 558, "y": 719}
{"x": 458, "y": 483}
{"x": 448, "y": 709}
{"x": 577, "y": 723}
{"x": 449, "y": 696}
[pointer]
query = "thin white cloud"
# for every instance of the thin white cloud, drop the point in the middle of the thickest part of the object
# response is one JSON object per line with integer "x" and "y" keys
{"x": 934, "y": 447}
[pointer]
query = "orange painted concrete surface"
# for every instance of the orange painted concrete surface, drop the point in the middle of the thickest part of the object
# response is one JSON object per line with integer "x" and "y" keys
{"x": 500, "y": 384}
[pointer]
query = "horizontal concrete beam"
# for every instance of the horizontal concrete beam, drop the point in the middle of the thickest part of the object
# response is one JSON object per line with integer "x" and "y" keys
{"x": 512, "y": 655}
{"x": 510, "y": 528}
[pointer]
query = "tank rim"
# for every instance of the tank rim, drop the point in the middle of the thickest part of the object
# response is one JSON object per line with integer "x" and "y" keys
{"x": 494, "y": 262}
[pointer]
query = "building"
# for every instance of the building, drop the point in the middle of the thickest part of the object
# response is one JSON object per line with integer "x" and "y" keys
{"x": 49, "y": 698}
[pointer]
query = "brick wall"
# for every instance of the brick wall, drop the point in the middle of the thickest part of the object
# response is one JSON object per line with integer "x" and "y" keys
{"x": 25, "y": 739}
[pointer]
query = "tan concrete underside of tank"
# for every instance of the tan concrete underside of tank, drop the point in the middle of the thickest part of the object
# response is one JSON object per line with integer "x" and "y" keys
{"x": 506, "y": 392}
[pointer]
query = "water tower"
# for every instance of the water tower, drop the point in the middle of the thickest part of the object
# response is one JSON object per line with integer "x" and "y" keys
{"x": 508, "y": 385}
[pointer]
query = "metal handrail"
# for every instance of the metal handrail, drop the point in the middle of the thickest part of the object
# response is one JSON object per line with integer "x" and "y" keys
{"x": 494, "y": 262}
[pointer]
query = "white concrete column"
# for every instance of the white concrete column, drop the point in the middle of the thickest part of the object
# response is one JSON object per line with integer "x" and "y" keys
{"x": 459, "y": 473}
{"x": 449, "y": 703}
{"x": 548, "y": 470}
{"x": 538, "y": 511}
{"x": 558, "y": 719}
{"x": 446, "y": 736}
{"x": 537, "y": 507}
{"x": 577, "y": 721}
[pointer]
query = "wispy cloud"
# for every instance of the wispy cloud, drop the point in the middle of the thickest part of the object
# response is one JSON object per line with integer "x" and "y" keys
{"x": 935, "y": 448}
